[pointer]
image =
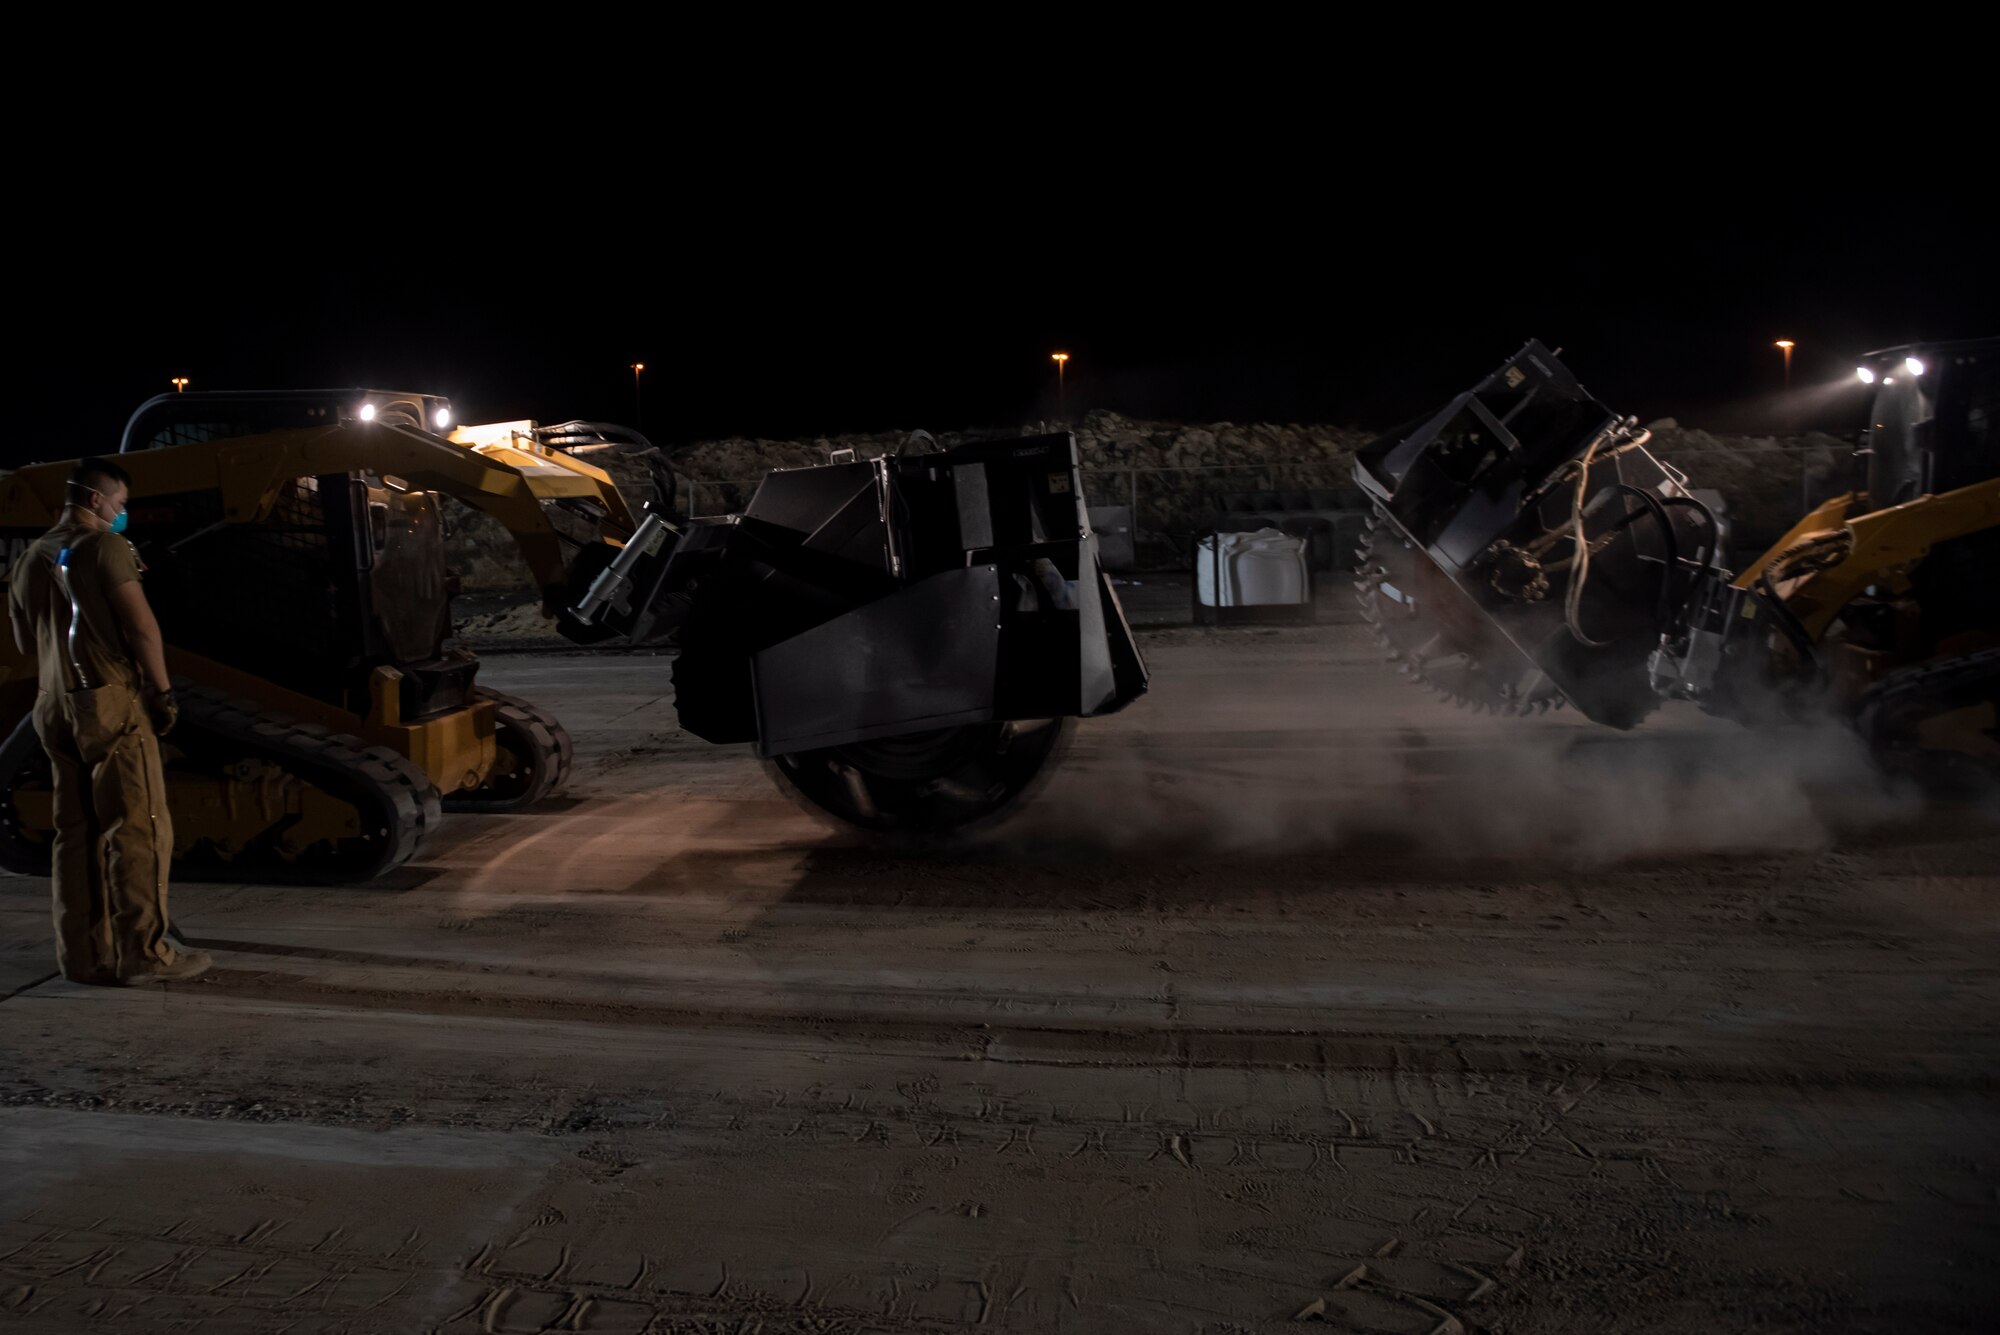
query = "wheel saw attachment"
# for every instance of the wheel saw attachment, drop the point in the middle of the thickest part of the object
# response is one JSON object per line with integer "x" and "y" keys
{"x": 1527, "y": 549}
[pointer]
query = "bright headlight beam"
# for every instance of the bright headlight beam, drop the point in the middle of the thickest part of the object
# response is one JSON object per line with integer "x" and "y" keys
{"x": 1866, "y": 376}
{"x": 1913, "y": 366}
{"x": 367, "y": 413}
{"x": 443, "y": 418}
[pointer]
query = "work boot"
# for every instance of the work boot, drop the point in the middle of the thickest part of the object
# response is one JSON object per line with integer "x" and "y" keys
{"x": 187, "y": 964}
{"x": 104, "y": 976}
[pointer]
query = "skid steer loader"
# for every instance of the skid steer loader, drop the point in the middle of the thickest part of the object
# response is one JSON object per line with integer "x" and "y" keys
{"x": 903, "y": 640}
{"x": 1528, "y": 550}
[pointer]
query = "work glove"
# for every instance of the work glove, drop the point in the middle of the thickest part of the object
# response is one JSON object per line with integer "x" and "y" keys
{"x": 163, "y": 710}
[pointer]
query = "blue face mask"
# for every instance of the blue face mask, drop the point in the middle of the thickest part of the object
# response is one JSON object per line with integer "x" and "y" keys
{"x": 118, "y": 524}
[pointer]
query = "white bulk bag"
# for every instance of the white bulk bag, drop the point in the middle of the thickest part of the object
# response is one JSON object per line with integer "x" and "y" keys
{"x": 1261, "y": 569}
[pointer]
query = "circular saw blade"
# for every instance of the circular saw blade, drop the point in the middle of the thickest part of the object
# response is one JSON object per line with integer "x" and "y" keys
{"x": 1436, "y": 634}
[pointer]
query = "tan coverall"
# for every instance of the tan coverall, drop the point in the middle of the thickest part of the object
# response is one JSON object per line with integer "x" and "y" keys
{"x": 114, "y": 840}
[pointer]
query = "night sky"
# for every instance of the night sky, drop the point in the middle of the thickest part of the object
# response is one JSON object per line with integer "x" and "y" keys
{"x": 798, "y": 312}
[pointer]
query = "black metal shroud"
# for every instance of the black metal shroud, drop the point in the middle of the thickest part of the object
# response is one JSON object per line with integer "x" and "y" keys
{"x": 877, "y": 598}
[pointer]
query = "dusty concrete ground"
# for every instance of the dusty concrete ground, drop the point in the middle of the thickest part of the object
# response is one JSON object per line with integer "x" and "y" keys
{"x": 1297, "y": 997}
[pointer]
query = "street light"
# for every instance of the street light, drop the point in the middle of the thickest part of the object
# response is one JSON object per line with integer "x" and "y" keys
{"x": 1061, "y": 359}
{"x": 1785, "y": 346}
{"x": 637, "y": 415}
{"x": 180, "y": 384}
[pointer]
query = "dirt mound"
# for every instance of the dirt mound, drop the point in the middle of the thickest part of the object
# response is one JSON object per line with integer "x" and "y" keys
{"x": 1181, "y": 473}
{"x": 522, "y": 623}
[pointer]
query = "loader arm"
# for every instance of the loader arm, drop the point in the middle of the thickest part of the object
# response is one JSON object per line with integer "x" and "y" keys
{"x": 1879, "y": 548}
{"x": 512, "y": 482}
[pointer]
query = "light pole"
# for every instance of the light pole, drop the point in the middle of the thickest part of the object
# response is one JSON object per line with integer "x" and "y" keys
{"x": 180, "y": 384}
{"x": 638, "y": 416}
{"x": 1785, "y": 345}
{"x": 1061, "y": 359}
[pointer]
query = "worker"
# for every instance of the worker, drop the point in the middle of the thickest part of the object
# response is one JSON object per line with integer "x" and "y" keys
{"x": 76, "y": 603}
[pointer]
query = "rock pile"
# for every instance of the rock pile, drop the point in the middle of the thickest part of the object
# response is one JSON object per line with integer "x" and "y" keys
{"x": 1176, "y": 473}
{"x": 1179, "y": 474}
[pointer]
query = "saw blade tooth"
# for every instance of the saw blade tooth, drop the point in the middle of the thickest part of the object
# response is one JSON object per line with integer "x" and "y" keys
{"x": 1421, "y": 649}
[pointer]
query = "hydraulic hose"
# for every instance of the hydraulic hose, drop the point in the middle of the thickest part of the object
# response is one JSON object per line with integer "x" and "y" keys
{"x": 1794, "y": 629}
{"x": 1714, "y": 529}
{"x": 1664, "y": 607}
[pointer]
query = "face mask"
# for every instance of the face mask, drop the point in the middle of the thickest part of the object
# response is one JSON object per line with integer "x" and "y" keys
{"x": 118, "y": 524}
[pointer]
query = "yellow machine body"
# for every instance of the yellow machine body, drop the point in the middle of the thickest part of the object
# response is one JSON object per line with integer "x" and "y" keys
{"x": 295, "y": 812}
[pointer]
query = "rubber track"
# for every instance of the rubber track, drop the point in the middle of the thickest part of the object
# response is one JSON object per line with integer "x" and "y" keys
{"x": 1891, "y": 710}
{"x": 401, "y": 798}
{"x": 21, "y": 760}
{"x": 549, "y": 738}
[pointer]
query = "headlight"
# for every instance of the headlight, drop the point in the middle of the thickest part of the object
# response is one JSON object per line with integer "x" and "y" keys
{"x": 1913, "y": 366}
{"x": 443, "y": 418}
{"x": 367, "y": 413}
{"x": 1866, "y": 376}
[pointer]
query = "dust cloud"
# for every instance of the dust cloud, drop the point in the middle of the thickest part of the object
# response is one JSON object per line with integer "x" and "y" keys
{"x": 1553, "y": 788}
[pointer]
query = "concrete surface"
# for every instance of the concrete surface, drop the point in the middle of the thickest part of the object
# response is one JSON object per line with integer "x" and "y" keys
{"x": 1296, "y": 997}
